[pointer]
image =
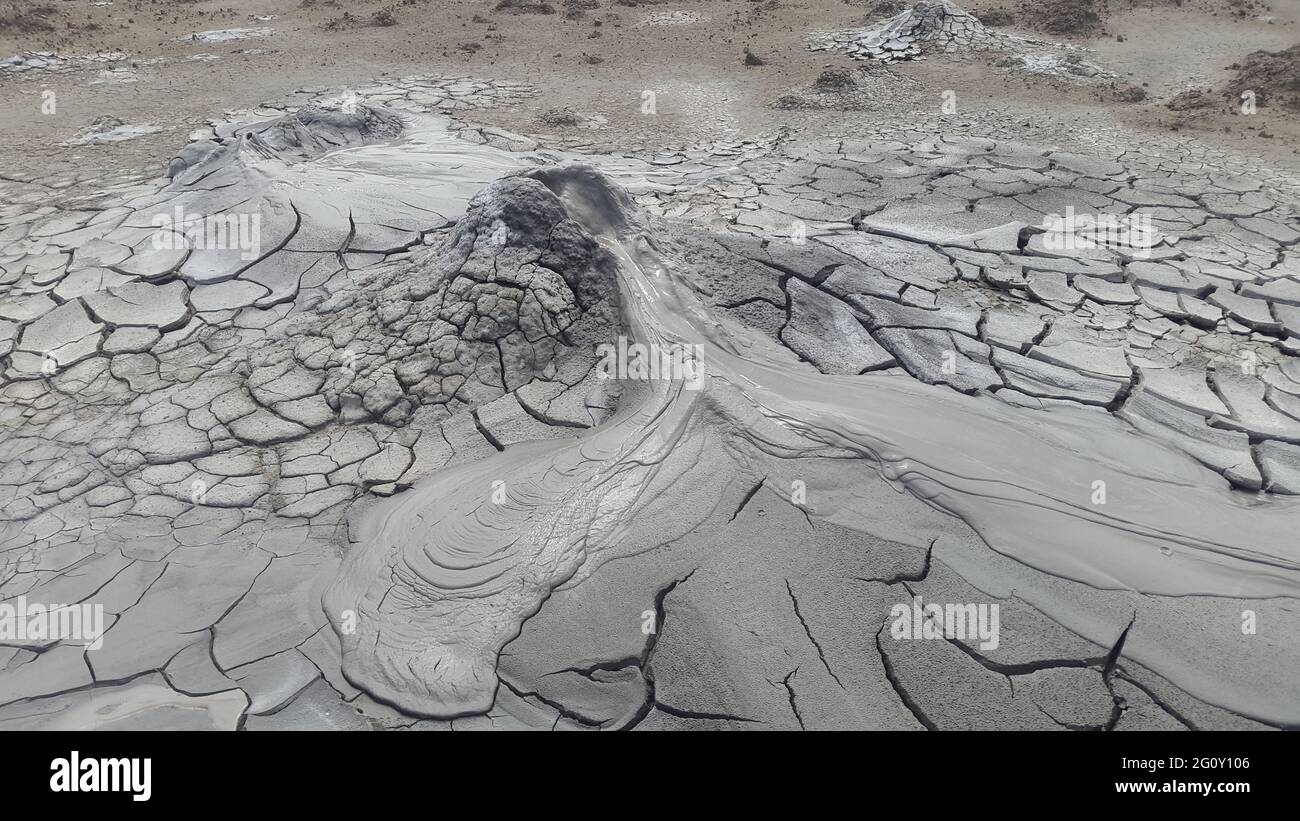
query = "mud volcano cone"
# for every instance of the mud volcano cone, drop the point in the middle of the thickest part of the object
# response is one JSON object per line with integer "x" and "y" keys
{"x": 926, "y": 27}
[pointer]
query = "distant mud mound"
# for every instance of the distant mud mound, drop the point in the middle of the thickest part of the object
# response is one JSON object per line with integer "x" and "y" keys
{"x": 925, "y": 28}
{"x": 1088, "y": 18}
{"x": 997, "y": 17}
{"x": 25, "y": 18}
{"x": 524, "y": 7}
{"x": 309, "y": 132}
{"x": 837, "y": 89}
{"x": 1274, "y": 77}
{"x": 1195, "y": 99}
{"x": 1246, "y": 8}
{"x": 1074, "y": 18}
{"x": 318, "y": 128}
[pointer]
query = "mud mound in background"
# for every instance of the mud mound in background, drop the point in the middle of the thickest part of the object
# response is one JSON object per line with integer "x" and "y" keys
{"x": 1087, "y": 18}
{"x": 523, "y": 7}
{"x": 1076, "y": 18}
{"x": 1195, "y": 99}
{"x": 309, "y": 132}
{"x": 318, "y": 128}
{"x": 1274, "y": 76}
{"x": 1245, "y": 8}
{"x": 574, "y": 9}
{"x": 837, "y": 89}
{"x": 1239, "y": 9}
{"x": 997, "y": 17}
{"x": 927, "y": 27}
{"x": 887, "y": 8}
{"x": 20, "y": 18}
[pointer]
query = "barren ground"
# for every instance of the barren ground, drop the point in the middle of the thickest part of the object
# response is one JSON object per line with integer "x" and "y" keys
{"x": 696, "y": 69}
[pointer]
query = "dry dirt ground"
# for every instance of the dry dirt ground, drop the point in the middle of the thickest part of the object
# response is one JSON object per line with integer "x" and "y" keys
{"x": 600, "y": 62}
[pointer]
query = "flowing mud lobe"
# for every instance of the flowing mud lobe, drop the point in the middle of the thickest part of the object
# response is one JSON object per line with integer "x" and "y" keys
{"x": 442, "y": 575}
{"x": 445, "y": 573}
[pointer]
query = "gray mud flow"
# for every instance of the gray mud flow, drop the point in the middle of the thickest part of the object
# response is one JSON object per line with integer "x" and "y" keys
{"x": 442, "y": 576}
{"x": 383, "y": 459}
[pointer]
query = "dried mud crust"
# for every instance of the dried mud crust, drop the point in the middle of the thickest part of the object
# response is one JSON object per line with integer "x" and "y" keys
{"x": 367, "y": 356}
